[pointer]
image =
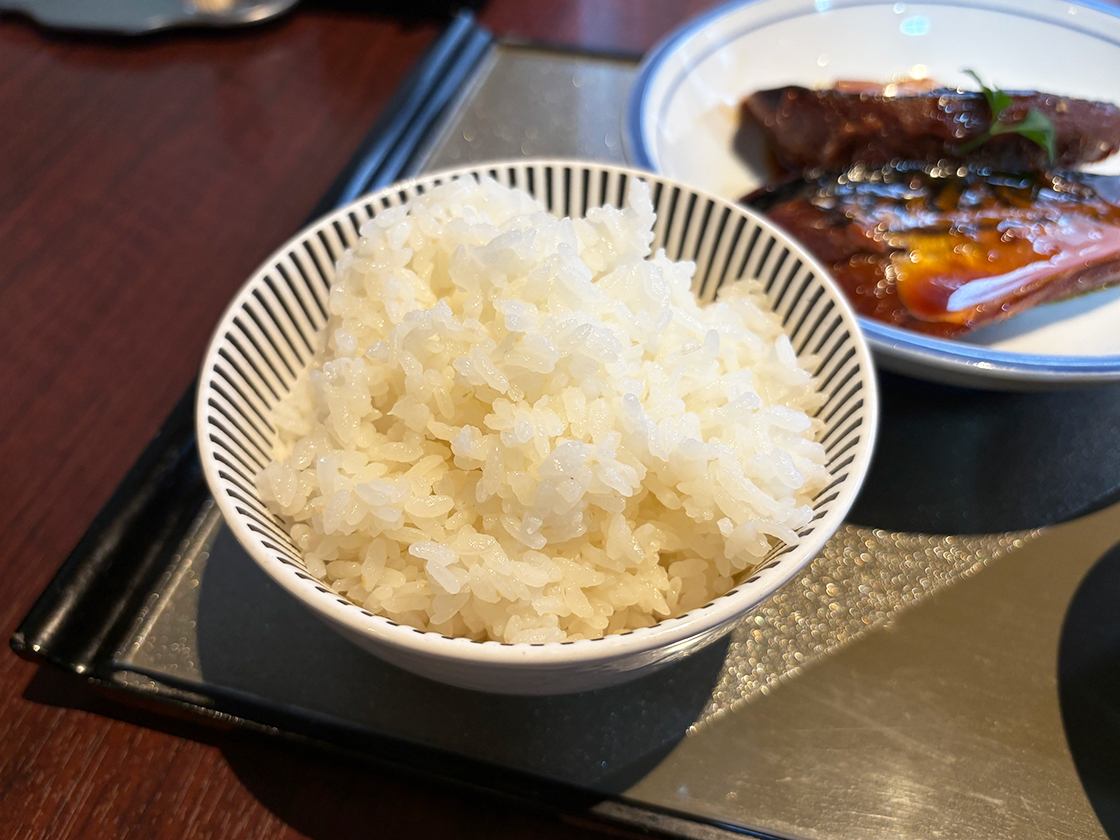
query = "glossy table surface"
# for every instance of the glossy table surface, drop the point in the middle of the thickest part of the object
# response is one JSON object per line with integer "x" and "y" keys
{"x": 141, "y": 180}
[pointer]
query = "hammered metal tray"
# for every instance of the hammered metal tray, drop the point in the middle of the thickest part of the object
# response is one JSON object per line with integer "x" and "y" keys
{"x": 947, "y": 666}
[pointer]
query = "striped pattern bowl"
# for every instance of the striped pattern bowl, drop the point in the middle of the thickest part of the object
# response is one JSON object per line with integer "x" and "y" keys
{"x": 266, "y": 336}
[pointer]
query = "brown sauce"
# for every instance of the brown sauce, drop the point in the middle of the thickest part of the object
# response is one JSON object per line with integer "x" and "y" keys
{"x": 947, "y": 252}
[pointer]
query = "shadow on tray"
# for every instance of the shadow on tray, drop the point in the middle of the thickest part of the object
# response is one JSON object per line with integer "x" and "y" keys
{"x": 958, "y": 461}
{"x": 1089, "y": 687}
{"x": 255, "y": 640}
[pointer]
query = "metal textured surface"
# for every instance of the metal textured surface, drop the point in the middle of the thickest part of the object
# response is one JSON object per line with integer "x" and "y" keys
{"x": 861, "y": 579}
{"x": 537, "y": 103}
{"x": 903, "y": 686}
{"x": 165, "y": 633}
{"x": 945, "y": 722}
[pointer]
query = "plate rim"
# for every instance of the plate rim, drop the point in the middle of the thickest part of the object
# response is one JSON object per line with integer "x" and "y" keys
{"x": 904, "y": 351}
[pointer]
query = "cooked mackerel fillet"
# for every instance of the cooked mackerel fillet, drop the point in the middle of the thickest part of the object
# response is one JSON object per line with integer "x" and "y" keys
{"x": 945, "y": 252}
{"x": 865, "y": 122}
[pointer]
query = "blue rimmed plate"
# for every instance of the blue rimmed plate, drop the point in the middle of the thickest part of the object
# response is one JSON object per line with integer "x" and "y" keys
{"x": 683, "y": 116}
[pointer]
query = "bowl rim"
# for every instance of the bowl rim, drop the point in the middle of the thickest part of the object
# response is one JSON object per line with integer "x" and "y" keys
{"x": 383, "y": 631}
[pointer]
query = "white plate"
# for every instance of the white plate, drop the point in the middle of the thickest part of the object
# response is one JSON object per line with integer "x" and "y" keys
{"x": 683, "y": 115}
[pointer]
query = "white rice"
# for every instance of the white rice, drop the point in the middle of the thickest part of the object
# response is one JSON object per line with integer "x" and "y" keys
{"x": 525, "y": 429}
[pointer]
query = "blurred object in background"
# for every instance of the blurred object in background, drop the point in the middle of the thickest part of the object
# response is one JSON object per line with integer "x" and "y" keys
{"x": 137, "y": 17}
{"x": 134, "y": 17}
{"x": 213, "y": 6}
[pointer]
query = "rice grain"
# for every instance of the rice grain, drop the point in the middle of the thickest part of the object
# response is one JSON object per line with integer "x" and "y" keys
{"x": 524, "y": 429}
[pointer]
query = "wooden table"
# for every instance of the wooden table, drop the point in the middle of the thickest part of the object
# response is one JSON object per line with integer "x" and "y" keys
{"x": 141, "y": 180}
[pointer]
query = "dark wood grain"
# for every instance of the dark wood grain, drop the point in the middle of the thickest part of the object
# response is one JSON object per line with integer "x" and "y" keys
{"x": 622, "y": 26}
{"x": 141, "y": 180}
{"x": 140, "y": 183}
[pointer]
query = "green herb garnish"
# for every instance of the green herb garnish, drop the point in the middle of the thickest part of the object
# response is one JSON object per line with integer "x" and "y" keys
{"x": 1035, "y": 126}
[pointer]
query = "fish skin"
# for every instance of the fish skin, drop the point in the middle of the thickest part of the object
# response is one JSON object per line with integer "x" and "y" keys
{"x": 944, "y": 251}
{"x": 853, "y": 123}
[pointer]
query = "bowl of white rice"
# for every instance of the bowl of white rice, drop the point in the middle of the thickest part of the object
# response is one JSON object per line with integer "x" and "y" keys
{"x": 536, "y": 426}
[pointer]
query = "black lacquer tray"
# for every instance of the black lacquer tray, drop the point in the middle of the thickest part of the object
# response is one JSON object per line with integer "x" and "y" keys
{"x": 947, "y": 667}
